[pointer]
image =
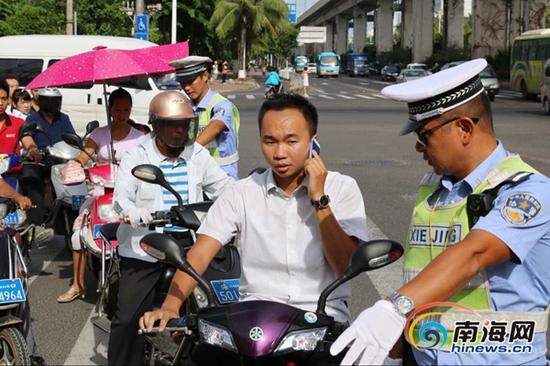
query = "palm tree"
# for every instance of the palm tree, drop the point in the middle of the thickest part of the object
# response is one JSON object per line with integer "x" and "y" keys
{"x": 249, "y": 18}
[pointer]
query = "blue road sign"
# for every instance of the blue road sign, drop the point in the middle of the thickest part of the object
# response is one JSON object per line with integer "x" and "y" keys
{"x": 142, "y": 23}
{"x": 291, "y": 12}
{"x": 143, "y": 36}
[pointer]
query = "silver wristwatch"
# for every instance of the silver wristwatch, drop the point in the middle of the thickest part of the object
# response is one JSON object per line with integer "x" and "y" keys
{"x": 404, "y": 305}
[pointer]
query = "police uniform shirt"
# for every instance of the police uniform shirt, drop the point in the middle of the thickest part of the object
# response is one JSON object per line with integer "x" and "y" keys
{"x": 521, "y": 219}
{"x": 227, "y": 139}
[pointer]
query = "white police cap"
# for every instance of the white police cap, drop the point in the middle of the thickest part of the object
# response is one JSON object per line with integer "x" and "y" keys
{"x": 190, "y": 67}
{"x": 438, "y": 93}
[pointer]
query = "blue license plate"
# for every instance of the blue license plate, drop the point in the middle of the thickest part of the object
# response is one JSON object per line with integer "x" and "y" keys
{"x": 227, "y": 291}
{"x": 12, "y": 218}
{"x": 77, "y": 201}
{"x": 11, "y": 291}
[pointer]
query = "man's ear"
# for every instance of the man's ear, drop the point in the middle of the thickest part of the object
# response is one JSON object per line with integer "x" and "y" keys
{"x": 466, "y": 126}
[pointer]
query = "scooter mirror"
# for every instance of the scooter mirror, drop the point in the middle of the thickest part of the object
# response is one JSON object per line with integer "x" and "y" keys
{"x": 27, "y": 129}
{"x": 149, "y": 173}
{"x": 73, "y": 140}
{"x": 152, "y": 174}
{"x": 373, "y": 255}
{"x": 369, "y": 255}
{"x": 92, "y": 125}
{"x": 167, "y": 250}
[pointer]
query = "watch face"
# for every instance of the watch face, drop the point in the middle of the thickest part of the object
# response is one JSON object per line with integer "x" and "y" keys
{"x": 324, "y": 200}
{"x": 404, "y": 304}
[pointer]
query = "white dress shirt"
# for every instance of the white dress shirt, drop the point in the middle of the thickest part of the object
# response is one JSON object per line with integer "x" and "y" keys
{"x": 281, "y": 251}
{"x": 204, "y": 174}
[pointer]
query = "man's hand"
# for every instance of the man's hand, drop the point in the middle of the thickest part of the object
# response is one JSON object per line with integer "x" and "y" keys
{"x": 23, "y": 202}
{"x": 317, "y": 173}
{"x": 139, "y": 215}
{"x": 34, "y": 155}
{"x": 373, "y": 334}
{"x": 147, "y": 321}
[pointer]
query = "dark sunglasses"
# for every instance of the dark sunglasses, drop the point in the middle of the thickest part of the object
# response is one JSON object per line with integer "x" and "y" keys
{"x": 422, "y": 136}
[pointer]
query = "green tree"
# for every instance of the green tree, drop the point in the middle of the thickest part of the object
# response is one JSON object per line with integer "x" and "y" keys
{"x": 102, "y": 17}
{"x": 35, "y": 17}
{"x": 250, "y": 20}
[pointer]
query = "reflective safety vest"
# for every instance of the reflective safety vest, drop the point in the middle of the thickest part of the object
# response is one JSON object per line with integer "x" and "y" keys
{"x": 435, "y": 227}
{"x": 205, "y": 117}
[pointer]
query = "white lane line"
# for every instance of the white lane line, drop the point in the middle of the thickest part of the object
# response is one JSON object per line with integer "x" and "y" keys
{"x": 231, "y": 96}
{"x": 250, "y": 96}
{"x": 379, "y": 96}
{"x": 318, "y": 90}
{"x": 345, "y": 96}
{"x": 324, "y": 96}
{"x": 363, "y": 83}
{"x": 363, "y": 96}
{"x": 91, "y": 346}
{"x": 324, "y": 83}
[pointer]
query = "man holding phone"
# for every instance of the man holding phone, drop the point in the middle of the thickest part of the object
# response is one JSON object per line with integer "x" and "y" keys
{"x": 298, "y": 223}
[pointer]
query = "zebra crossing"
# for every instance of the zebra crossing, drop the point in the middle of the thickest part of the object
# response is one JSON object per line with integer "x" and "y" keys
{"x": 314, "y": 95}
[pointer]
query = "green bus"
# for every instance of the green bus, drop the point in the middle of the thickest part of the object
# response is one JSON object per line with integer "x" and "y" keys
{"x": 529, "y": 53}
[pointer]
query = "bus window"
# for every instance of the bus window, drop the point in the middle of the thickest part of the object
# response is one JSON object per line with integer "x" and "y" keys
{"x": 25, "y": 69}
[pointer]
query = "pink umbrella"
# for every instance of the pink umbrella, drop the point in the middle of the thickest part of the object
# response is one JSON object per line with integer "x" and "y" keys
{"x": 101, "y": 65}
{"x": 167, "y": 52}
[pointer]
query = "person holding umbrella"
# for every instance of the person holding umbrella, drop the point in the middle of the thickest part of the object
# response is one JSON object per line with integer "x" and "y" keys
{"x": 218, "y": 117}
{"x": 124, "y": 138}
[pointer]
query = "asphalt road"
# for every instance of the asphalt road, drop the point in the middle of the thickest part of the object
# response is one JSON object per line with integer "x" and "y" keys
{"x": 358, "y": 133}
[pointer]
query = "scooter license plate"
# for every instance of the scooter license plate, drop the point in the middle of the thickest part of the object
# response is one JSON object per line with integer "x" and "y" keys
{"x": 227, "y": 291}
{"x": 77, "y": 201}
{"x": 12, "y": 218}
{"x": 11, "y": 291}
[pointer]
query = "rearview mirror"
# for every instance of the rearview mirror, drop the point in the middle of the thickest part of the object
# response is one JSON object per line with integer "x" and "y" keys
{"x": 73, "y": 140}
{"x": 152, "y": 174}
{"x": 167, "y": 250}
{"x": 368, "y": 256}
{"x": 92, "y": 125}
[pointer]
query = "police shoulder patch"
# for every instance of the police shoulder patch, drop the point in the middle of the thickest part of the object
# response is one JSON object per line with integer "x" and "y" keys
{"x": 520, "y": 208}
{"x": 218, "y": 112}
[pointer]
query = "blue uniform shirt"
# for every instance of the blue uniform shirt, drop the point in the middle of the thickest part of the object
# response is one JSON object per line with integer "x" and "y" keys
{"x": 227, "y": 139}
{"x": 522, "y": 286}
{"x": 54, "y": 130}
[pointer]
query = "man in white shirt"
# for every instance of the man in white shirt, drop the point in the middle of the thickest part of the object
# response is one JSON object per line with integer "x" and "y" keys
{"x": 298, "y": 224}
{"x": 190, "y": 169}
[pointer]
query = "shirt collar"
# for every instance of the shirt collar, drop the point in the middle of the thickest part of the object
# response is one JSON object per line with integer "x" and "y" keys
{"x": 271, "y": 185}
{"x": 476, "y": 177}
{"x": 204, "y": 101}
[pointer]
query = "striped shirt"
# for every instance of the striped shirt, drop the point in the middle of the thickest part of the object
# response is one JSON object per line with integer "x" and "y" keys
{"x": 176, "y": 175}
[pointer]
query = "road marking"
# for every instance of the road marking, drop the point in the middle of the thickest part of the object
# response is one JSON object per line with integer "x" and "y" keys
{"x": 91, "y": 346}
{"x": 232, "y": 96}
{"x": 378, "y": 96}
{"x": 362, "y": 83}
{"x": 345, "y": 96}
{"x": 363, "y": 96}
{"x": 318, "y": 90}
{"x": 324, "y": 83}
{"x": 324, "y": 96}
{"x": 250, "y": 96}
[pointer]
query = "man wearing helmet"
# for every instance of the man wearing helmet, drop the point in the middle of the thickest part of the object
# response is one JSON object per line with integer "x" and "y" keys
{"x": 218, "y": 117}
{"x": 54, "y": 123}
{"x": 190, "y": 169}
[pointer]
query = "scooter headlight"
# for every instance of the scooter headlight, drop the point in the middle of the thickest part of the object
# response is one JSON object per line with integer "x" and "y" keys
{"x": 216, "y": 335}
{"x": 301, "y": 340}
{"x": 107, "y": 213}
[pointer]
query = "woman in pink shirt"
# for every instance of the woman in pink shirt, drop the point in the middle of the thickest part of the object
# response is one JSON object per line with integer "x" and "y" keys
{"x": 124, "y": 137}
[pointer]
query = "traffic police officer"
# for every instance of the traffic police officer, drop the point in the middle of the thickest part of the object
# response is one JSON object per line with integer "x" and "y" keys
{"x": 480, "y": 230}
{"x": 218, "y": 117}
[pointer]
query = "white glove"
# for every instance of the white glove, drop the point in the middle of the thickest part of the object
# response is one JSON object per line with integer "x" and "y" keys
{"x": 139, "y": 215}
{"x": 373, "y": 333}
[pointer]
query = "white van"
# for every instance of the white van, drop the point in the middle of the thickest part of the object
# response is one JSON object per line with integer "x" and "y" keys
{"x": 28, "y": 55}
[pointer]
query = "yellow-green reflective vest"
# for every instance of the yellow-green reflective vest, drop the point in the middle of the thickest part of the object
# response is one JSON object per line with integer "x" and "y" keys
{"x": 435, "y": 227}
{"x": 205, "y": 117}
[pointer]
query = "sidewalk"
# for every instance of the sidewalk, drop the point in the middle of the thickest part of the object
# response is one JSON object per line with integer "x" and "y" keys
{"x": 233, "y": 85}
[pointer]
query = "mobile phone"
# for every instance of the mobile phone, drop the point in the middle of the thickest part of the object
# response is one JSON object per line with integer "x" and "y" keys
{"x": 314, "y": 146}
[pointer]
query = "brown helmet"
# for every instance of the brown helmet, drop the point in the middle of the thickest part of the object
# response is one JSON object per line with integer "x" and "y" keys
{"x": 170, "y": 105}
